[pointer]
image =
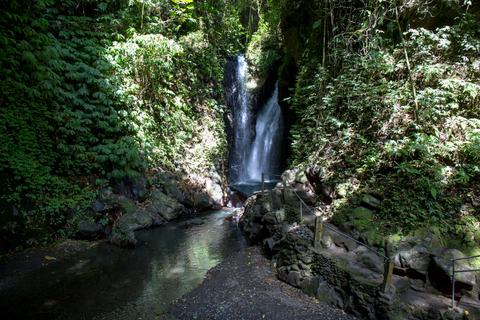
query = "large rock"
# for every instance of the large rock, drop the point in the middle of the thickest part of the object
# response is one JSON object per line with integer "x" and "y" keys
{"x": 99, "y": 206}
{"x": 289, "y": 176}
{"x": 165, "y": 206}
{"x": 294, "y": 278}
{"x": 416, "y": 259}
{"x": 203, "y": 193}
{"x": 344, "y": 242}
{"x": 252, "y": 221}
{"x": 315, "y": 175}
{"x": 370, "y": 260}
{"x": 123, "y": 229}
{"x": 132, "y": 187}
{"x": 107, "y": 200}
{"x": 276, "y": 198}
{"x": 305, "y": 192}
{"x": 89, "y": 229}
{"x": 202, "y": 201}
{"x": 325, "y": 292}
{"x": 441, "y": 270}
{"x": 214, "y": 191}
{"x": 169, "y": 184}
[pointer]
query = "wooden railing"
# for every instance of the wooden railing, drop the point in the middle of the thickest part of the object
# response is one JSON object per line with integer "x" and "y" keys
{"x": 320, "y": 226}
{"x": 455, "y": 271}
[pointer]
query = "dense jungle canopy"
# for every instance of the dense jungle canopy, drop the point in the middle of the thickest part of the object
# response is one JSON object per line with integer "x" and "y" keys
{"x": 384, "y": 95}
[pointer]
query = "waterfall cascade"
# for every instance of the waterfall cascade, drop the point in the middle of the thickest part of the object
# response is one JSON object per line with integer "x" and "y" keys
{"x": 264, "y": 154}
{"x": 256, "y": 145}
{"x": 239, "y": 101}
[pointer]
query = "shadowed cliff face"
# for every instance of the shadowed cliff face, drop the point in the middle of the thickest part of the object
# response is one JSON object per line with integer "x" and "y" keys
{"x": 296, "y": 24}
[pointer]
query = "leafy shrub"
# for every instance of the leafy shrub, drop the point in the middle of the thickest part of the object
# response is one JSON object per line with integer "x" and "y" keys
{"x": 95, "y": 91}
{"x": 361, "y": 120}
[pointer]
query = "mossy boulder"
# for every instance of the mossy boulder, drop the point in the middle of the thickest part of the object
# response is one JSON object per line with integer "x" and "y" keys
{"x": 123, "y": 230}
{"x": 441, "y": 270}
{"x": 163, "y": 205}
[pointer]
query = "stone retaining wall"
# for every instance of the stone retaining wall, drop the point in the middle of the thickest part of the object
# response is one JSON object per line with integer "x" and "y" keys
{"x": 350, "y": 276}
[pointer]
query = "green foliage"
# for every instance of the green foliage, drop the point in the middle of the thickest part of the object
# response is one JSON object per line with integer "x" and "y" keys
{"x": 263, "y": 50}
{"x": 95, "y": 91}
{"x": 171, "y": 86}
{"x": 359, "y": 120}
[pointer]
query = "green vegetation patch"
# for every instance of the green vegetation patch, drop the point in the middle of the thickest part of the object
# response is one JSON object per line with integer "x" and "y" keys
{"x": 96, "y": 91}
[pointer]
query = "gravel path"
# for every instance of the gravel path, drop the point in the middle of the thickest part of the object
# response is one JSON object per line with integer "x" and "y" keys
{"x": 245, "y": 287}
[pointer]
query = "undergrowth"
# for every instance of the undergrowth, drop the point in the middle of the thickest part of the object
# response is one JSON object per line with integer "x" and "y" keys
{"x": 96, "y": 91}
{"x": 407, "y": 130}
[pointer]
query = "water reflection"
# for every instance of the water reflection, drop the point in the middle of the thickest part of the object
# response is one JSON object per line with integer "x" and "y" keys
{"x": 110, "y": 283}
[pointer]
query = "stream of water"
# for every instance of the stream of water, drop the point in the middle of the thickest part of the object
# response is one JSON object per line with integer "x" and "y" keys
{"x": 264, "y": 155}
{"x": 107, "y": 282}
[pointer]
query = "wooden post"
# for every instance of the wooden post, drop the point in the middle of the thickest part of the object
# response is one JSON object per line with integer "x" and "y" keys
{"x": 318, "y": 232}
{"x": 263, "y": 183}
{"x": 301, "y": 210}
{"x": 388, "y": 274}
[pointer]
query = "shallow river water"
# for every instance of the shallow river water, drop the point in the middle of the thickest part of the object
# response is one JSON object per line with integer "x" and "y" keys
{"x": 106, "y": 282}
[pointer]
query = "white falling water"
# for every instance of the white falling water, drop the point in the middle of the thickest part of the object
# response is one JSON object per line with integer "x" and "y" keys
{"x": 242, "y": 117}
{"x": 265, "y": 151}
{"x": 256, "y": 146}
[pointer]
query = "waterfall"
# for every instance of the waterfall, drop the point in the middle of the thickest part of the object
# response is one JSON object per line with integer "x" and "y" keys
{"x": 264, "y": 155}
{"x": 238, "y": 100}
{"x": 256, "y": 146}
{"x": 242, "y": 116}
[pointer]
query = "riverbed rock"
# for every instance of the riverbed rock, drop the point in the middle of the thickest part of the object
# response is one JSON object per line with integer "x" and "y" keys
{"x": 214, "y": 190}
{"x": 132, "y": 187}
{"x": 88, "y": 229}
{"x": 123, "y": 230}
{"x": 192, "y": 222}
{"x": 171, "y": 186}
{"x": 165, "y": 206}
